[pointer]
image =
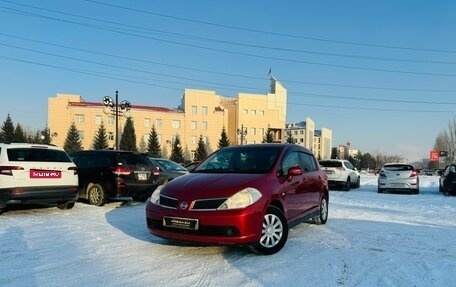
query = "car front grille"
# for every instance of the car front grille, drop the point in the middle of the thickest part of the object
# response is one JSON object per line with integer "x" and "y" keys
{"x": 199, "y": 204}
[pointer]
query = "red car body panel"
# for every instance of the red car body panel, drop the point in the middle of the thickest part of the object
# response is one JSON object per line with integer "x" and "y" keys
{"x": 298, "y": 197}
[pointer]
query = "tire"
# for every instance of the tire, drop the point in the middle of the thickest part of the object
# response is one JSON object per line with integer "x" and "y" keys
{"x": 96, "y": 194}
{"x": 358, "y": 182}
{"x": 445, "y": 191}
{"x": 324, "y": 208}
{"x": 66, "y": 205}
{"x": 380, "y": 190}
{"x": 347, "y": 185}
{"x": 140, "y": 198}
{"x": 274, "y": 233}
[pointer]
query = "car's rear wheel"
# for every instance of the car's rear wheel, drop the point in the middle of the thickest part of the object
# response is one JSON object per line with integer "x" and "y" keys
{"x": 347, "y": 184}
{"x": 96, "y": 194}
{"x": 66, "y": 205}
{"x": 324, "y": 208}
{"x": 380, "y": 190}
{"x": 274, "y": 233}
{"x": 140, "y": 198}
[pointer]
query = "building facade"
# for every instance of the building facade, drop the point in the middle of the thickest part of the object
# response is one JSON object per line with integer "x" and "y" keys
{"x": 246, "y": 118}
{"x": 304, "y": 134}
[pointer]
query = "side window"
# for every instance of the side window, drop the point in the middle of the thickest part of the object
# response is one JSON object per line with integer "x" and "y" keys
{"x": 291, "y": 159}
{"x": 308, "y": 162}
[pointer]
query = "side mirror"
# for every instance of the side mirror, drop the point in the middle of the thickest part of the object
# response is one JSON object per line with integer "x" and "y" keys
{"x": 294, "y": 171}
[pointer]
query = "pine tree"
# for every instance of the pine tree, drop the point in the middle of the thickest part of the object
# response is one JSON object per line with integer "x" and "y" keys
{"x": 128, "y": 139}
{"x": 290, "y": 138}
{"x": 72, "y": 141}
{"x": 19, "y": 134}
{"x": 223, "y": 141}
{"x": 200, "y": 152}
{"x": 177, "y": 154}
{"x": 153, "y": 146}
{"x": 269, "y": 137}
{"x": 7, "y": 132}
{"x": 100, "y": 141}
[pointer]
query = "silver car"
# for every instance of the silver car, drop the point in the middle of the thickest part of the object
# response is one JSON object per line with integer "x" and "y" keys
{"x": 341, "y": 173}
{"x": 398, "y": 177}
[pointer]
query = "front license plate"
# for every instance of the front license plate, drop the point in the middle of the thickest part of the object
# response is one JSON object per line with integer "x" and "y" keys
{"x": 142, "y": 176}
{"x": 179, "y": 222}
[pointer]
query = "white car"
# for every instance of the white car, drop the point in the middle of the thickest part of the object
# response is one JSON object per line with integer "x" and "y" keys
{"x": 398, "y": 177}
{"x": 36, "y": 173}
{"x": 341, "y": 173}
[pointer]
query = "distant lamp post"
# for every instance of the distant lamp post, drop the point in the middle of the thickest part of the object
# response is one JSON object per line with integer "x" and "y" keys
{"x": 113, "y": 107}
{"x": 242, "y": 132}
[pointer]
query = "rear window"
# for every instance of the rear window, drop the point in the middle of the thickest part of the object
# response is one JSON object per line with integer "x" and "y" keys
{"x": 331, "y": 163}
{"x": 134, "y": 160}
{"x": 36, "y": 154}
{"x": 398, "y": 167}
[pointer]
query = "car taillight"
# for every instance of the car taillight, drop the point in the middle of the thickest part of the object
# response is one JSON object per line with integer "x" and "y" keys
{"x": 156, "y": 171}
{"x": 8, "y": 170}
{"x": 414, "y": 174}
{"x": 73, "y": 168}
{"x": 121, "y": 170}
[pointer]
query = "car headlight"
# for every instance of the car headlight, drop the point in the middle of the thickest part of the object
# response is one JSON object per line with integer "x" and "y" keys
{"x": 241, "y": 199}
{"x": 155, "y": 197}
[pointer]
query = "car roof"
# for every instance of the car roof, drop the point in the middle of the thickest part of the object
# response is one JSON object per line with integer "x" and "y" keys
{"x": 29, "y": 145}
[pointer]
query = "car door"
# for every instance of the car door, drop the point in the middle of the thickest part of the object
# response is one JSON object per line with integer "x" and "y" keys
{"x": 314, "y": 181}
{"x": 294, "y": 190}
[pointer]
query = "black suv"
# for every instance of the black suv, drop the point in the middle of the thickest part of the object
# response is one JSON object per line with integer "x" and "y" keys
{"x": 105, "y": 174}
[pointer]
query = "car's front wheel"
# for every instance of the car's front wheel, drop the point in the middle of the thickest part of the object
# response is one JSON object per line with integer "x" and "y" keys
{"x": 274, "y": 233}
{"x": 96, "y": 194}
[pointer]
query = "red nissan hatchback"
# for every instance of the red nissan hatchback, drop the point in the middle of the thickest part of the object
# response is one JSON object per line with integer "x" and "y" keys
{"x": 242, "y": 195}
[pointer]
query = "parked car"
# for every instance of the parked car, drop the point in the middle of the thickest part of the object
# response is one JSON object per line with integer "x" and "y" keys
{"x": 191, "y": 165}
{"x": 243, "y": 195}
{"x": 36, "y": 173}
{"x": 398, "y": 177}
{"x": 105, "y": 174}
{"x": 447, "y": 180}
{"x": 169, "y": 169}
{"x": 341, "y": 173}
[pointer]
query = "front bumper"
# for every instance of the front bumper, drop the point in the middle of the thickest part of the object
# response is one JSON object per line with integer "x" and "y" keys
{"x": 238, "y": 227}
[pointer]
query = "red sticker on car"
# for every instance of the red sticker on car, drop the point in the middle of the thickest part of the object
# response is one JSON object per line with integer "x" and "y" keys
{"x": 34, "y": 173}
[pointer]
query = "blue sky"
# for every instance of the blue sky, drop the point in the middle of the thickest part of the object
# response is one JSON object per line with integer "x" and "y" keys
{"x": 380, "y": 74}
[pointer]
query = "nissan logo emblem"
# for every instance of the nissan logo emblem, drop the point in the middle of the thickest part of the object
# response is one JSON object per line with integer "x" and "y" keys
{"x": 183, "y": 205}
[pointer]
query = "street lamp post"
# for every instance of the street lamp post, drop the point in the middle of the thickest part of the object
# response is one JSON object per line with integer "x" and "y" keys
{"x": 242, "y": 132}
{"x": 113, "y": 107}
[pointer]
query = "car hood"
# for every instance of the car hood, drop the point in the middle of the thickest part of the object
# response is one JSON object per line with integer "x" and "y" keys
{"x": 202, "y": 185}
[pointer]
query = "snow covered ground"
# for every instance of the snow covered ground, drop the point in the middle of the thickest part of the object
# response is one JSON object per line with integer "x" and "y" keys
{"x": 370, "y": 239}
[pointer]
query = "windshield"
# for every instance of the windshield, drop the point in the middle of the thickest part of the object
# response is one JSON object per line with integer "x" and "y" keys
{"x": 240, "y": 160}
{"x": 169, "y": 165}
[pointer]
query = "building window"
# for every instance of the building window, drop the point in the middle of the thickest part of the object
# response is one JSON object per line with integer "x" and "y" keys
{"x": 110, "y": 136}
{"x": 194, "y": 125}
{"x": 194, "y": 110}
{"x": 81, "y": 134}
{"x": 261, "y": 131}
{"x": 204, "y": 110}
{"x": 158, "y": 123}
{"x": 146, "y": 138}
{"x": 111, "y": 120}
{"x": 301, "y": 132}
{"x": 205, "y": 140}
{"x": 244, "y": 111}
{"x": 98, "y": 120}
{"x": 147, "y": 122}
{"x": 261, "y": 112}
{"x": 79, "y": 119}
{"x": 253, "y": 112}
{"x": 176, "y": 124}
{"x": 295, "y": 133}
{"x": 204, "y": 125}
{"x": 193, "y": 139}
{"x": 253, "y": 131}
